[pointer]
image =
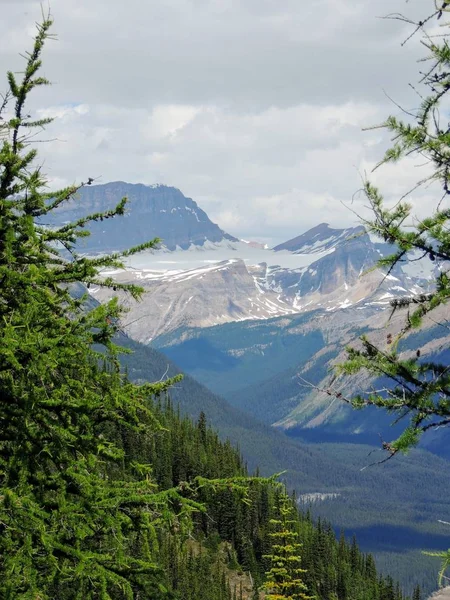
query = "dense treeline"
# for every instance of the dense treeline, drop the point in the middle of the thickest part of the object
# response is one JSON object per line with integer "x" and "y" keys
{"x": 233, "y": 535}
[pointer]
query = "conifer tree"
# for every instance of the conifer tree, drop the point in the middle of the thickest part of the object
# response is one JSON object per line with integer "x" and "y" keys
{"x": 419, "y": 393}
{"x": 417, "y": 594}
{"x": 80, "y": 512}
{"x": 284, "y": 578}
{"x": 420, "y": 390}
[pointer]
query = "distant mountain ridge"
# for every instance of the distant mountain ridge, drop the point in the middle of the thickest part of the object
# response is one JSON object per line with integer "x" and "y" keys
{"x": 328, "y": 277}
{"x": 319, "y": 239}
{"x": 254, "y": 328}
{"x": 233, "y": 290}
{"x": 152, "y": 211}
{"x": 334, "y": 278}
{"x": 202, "y": 297}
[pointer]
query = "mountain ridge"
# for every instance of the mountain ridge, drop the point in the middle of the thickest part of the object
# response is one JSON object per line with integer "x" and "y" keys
{"x": 319, "y": 238}
{"x": 152, "y": 211}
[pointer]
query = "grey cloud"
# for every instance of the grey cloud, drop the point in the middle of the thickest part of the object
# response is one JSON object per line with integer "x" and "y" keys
{"x": 252, "y": 173}
{"x": 244, "y": 54}
{"x": 252, "y": 107}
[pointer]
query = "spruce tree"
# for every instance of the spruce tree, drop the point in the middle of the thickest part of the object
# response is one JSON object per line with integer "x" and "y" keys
{"x": 417, "y": 594}
{"x": 284, "y": 578}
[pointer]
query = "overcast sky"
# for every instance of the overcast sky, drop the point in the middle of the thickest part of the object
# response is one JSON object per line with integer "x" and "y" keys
{"x": 254, "y": 108}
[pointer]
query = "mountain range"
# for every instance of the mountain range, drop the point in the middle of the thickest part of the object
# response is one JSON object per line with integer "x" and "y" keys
{"x": 260, "y": 328}
{"x": 252, "y": 323}
{"x": 248, "y": 287}
{"x": 151, "y": 211}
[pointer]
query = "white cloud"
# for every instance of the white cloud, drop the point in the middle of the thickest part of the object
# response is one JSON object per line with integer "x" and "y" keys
{"x": 167, "y": 120}
{"x": 254, "y": 108}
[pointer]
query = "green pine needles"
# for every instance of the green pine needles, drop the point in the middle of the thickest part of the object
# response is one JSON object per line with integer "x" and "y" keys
{"x": 67, "y": 518}
{"x": 78, "y": 517}
{"x": 283, "y": 580}
{"x": 420, "y": 391}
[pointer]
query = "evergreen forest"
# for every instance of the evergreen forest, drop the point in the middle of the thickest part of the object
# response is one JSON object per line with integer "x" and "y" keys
{"x": 108, "y": 491}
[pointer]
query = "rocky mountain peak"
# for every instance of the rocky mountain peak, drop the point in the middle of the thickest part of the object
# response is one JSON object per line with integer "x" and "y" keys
{"x": 324, "y": 269}
{"x": 152, "y": 211}
{"x": 320, "y": 239}
{"x": 202, "y": 297}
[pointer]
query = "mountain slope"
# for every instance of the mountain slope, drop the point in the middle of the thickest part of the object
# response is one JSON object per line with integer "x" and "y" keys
{"x": 201, "y": 297}
{"x": 237, "y": 536}
{"x": 232, "y": 291}
{"x": 152, "y": 211}
{"x": 377, "y": 504}
{"x": 319, "y": 239}
{"x": 267, "y": 367}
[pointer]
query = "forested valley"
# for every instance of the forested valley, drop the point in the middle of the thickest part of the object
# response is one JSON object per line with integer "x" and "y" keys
{"x": 114, "y": 485}
{"x": 227, "y": 553}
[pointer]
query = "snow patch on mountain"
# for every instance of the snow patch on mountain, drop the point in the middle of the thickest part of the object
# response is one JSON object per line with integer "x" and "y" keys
{"x": 225, "y": 281}
{"x": 202, "y": 297}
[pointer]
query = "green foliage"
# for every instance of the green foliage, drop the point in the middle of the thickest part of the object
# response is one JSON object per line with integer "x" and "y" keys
{"x": 417, "y": 594}
{"x": 232, "y": 537}
{"x": 284, "y": 578}
{"x": 420, "y": 391}
{"x": 79, "y": 510}
{"x": 445, "y": 562}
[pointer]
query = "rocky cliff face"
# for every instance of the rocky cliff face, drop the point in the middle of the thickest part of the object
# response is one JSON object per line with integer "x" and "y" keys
{"x": 152, "y": 211}
{"x": 276, "y": 369}
{"x": 203, "y": 297}
{"x": 339, "y": 277}
{"x": 443, "y": 594}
